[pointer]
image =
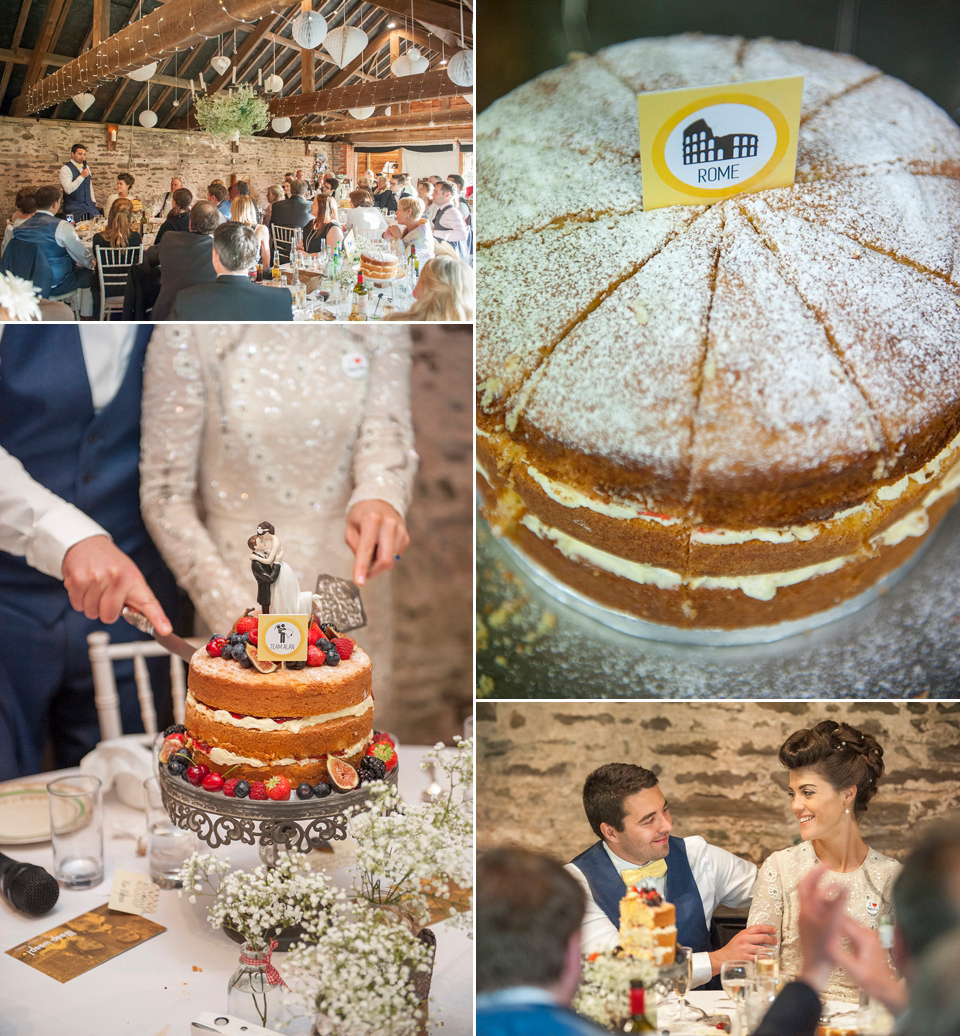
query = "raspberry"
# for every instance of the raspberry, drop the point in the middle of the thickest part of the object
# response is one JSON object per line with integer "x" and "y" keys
{"x": 315, "y": 656}
{"x": 258, "y": 790}
{"x": 344, "y": 647}
{"x": 230, "y": 786}
{"x": 278, "y": 789}
{"x": 247, "y": 624}
{"x": 215, "y": 646}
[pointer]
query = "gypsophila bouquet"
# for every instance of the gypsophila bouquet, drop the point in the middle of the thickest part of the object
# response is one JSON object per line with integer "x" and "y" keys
{"x": 408, "y": 854}
{"x": 603, "y": 995}
{"x": 224, "y": 114}
{"x": 361, "y": 975}
{"x": 19, "y": 298}
{"x": 260, "y": 904}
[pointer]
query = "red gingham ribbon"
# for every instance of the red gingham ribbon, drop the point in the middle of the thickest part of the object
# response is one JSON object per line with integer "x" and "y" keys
{"x": 273, "y": 976}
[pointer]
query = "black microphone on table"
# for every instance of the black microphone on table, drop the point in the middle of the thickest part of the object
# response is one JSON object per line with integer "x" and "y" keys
{"x": 27, "y": 887}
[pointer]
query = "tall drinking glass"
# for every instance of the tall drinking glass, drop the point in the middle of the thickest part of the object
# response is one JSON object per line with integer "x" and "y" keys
{"x": 76, "y": 830}
{"x": 684, "y": 978}
{"x": 735, "y": 977}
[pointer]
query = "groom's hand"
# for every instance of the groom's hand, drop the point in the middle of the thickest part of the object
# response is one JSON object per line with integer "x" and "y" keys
{"x": 744, "y": 945}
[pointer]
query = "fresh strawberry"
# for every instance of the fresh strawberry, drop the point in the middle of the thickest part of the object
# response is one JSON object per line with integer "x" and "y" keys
{"x": 315, "y": 656}
{"x": 384, "y": 751}
{"x": 229, "y": 787}
{"x": 215, "y": 645}
{"x": 344, "y": 647}
{"x": 258, "y": 790}
{"x": 314, "y": 633}
{"x": 247, "y": 624}
{"x": 212, "y": 782}
{"x": 278, "y": 789}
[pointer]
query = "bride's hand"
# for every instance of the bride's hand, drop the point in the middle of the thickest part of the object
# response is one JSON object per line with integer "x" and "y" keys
{"x": 376, "y": 534}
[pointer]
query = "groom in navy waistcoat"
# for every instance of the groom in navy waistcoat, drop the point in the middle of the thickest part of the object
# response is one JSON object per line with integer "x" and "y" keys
{"x": 71, "y": 534}
{"x": 630, "y": 815}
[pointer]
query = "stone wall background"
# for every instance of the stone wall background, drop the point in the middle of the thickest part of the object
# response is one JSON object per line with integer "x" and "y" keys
{"x": 433, "y": 585}
{"x": 32, "y": 152}
{"x": 717, "y": 764}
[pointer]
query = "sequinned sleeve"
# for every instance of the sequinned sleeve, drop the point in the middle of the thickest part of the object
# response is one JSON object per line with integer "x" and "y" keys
{"x": 175, "y": 400}
{"x": 767, "y": 906}
{"x": 384, "y": 459}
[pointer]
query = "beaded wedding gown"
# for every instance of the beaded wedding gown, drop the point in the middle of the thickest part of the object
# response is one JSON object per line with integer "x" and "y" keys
{"x": 286, "y": 424}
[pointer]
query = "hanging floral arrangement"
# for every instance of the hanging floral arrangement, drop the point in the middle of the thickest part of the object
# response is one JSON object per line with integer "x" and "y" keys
{"x": 240, "y": 114}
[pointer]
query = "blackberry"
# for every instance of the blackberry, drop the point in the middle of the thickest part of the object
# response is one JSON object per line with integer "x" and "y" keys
{"x": 322, "y": 790}
{"x": 372, "y": 768}
{"x": 305, "y": 791}
{"x": 241, "y": 789}
{"x": 177, "y": 728}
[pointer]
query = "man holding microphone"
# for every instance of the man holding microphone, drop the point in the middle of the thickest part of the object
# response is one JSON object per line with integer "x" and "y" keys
{"x": 78, "y": 199}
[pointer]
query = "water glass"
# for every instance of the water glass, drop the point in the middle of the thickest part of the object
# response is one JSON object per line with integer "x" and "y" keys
{"x": 736, "y": 977}
{"x": 76, "y": 830}
{"x": 168, "y": 846}
{"x": 759, "y": 999}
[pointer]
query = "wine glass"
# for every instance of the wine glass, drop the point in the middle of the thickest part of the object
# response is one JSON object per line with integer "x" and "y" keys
{"x": 734, "y": 976}
{"x": 684, "y": 978}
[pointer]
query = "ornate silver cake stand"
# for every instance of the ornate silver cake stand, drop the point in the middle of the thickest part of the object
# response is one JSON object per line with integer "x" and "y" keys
{"x": 295, "y": 824}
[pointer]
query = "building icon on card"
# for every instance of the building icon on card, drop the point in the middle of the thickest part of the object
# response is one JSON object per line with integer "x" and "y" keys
{"x": 700, "y": 145}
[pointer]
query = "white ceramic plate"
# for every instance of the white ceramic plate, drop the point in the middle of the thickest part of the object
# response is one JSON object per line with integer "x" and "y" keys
{"x": 25, "y": 815}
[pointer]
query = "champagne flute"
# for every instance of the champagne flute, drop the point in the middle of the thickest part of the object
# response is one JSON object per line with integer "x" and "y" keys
{"x": 684, "y": 978}
{"x": 734, "y": 975}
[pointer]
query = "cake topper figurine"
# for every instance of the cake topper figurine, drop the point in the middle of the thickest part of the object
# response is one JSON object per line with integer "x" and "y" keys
{"x": 278, "y": 589}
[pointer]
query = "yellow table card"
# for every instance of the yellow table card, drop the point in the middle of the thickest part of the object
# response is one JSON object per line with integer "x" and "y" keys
{"x": 282, "y": 638}
{"x": 701, "y": 145}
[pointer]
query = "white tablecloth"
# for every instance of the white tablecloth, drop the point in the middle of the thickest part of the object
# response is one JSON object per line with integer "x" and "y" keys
{"x": 717, "y": 1002}
{"x": 159, "y": 987}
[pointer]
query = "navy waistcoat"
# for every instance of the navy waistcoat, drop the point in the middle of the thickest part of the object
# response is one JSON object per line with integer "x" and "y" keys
{"x": 80, "y": 202}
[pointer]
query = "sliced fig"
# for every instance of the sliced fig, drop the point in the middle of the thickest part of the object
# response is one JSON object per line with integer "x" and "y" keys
{"x": 264, "y": 666}
{"x": 343, "y": 775}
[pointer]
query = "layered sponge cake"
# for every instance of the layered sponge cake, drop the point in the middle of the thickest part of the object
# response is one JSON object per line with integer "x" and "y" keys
{"x": 722, "y": 416}
{"x": 648, "y": 926}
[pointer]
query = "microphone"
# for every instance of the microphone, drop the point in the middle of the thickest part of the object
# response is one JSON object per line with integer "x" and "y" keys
{"x": 27, "y": 887}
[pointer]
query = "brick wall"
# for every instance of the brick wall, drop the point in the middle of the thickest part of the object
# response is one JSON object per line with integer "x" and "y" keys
{"x": 32, "y": 152}
{"x": 717, "y": 764}
{"x": 342, "y": 159}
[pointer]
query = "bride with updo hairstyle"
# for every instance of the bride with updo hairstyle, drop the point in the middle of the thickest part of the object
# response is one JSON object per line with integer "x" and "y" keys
{"x": 834, "y": 771}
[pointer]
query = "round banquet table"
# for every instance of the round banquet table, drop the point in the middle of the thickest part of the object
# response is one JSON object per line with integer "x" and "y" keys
{"x": 717, "y": 1002}
{"x": 158, "y": 987}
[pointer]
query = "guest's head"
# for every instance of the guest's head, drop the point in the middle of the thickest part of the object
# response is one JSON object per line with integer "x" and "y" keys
{"x": 242, "y": 210}
{"x": 382, "y": 183}
{"x": 298, "y": 189}
{"x": 360, "y": 197}
{"x": 274, "y": 193}
{"x": 288, "y": 177}
{"x": 235, "y": 248}
{"x": 216, "y": 192}
{"x": 834, "y": 770}
{"x": 299, "y": 175}
{"x": 935, "y": 998}
{"x": 175, "y": 184}
{"x": 324, "y": 210}
{"x": 124, "y": 182}
{"x": 204, "y": 218}
{"x": 626, "y": 808}
{"x": 435, "y": 179}
{"x": 409, "y": 210}
{"x": 119, "y": 223}
{"x": 241, "y": 189}
{"x": 444, "y": 192}
{"x": 425, "y": 191}
{"x": 182, "y": 199}
{"x": 26, "y": 201}
{"x": 286, "y": 188}
{"x": 444, "y": 291}
{"x": 529, "y": 911}
{"x": 48, "y": 198}
{"x": 458, "y": 181}
{"x": 78, "y": 153}
{"x": 333, "y": 184}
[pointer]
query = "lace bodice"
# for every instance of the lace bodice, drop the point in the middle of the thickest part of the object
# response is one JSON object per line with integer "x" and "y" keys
{"x": 870, "y": 895}
{"x": 293, "y": 425}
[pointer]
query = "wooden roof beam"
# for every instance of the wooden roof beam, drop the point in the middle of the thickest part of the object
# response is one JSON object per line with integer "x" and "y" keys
{"x": 429, "y": 85}
{"x": 429, "y": 11}
{"x": 45, "y": 42}
{"x": 346, "y": 127}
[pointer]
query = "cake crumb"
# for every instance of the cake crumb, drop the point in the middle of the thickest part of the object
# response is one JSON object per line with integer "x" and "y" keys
{"x": 639, "y": 311}
{"x": 195, "y": 968}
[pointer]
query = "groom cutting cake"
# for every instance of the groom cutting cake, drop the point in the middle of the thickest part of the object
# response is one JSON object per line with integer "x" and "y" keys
{"x": 630, "y": 815}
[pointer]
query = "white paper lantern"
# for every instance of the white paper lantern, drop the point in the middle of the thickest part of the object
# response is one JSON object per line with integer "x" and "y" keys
{"x": 460, "y": 69}
{"x": 469, "y": 99}
{"x": 309, "y": 29}
{"x": 83, "y": 101}
{"x": 402, "y": 66}
{"x": 220, "y": 64}
{"x": 418, "y": 61}
{"x": 273, "y": 83}
{"x": 344, "y": 44}
{"x": 141, "y": 75}
{"x": 147, "y": 118}
{"x": 362, "y": 113}
{"x": 281, "y": 124}
{"x": 388, "y": 110}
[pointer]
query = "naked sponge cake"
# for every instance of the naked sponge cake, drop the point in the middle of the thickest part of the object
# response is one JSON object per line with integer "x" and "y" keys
{"x": 718, "y": 416}
{"x": 648, "y": 926}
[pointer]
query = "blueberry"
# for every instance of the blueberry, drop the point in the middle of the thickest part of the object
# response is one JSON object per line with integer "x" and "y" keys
{"x": 182, "y": 757}
{"x": 177, "y": 728}
{"x": 245, "y": 638}
{"x": 324, "y": 644}
{"x": 176, "y": 766}
{"x": 245, "y": 661}
{"x": 239, "y": 652}
{"x": 296, "y": 665}
{"x": 304, "y": 791}
{"x": 333, "y": 657}
{"x": 242, "y": 789}
{"x": 322, "y": 790}
{"x": 227, "y": 650}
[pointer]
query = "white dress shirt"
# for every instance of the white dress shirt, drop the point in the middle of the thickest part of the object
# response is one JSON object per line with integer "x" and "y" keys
{"x": 452, "y": 226}
{"x": 71, "y": 177}
{"x": 35, "y": 523}
{"x": 66, "y": 237}
{"x": 721, "y": 878}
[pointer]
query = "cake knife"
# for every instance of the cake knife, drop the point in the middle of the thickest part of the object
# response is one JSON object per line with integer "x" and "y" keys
{"x": 174, "y": 644}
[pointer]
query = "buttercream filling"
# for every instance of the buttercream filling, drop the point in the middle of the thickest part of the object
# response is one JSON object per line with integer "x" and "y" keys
{"x": 223, "y": 757}
{"x": 266, "y": 725}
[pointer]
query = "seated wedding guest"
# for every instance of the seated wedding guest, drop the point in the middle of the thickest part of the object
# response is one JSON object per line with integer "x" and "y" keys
{"x": 448, "y": 222}
{"x": 118, "y": 233}
{"x": 325, "y": 228}
{"x": 70, "y": 261}
{"x": 937, "y": 1010}
{"x": 425, "y": 194}
{"x": 631, "y": 818}
{"x": 384, "y": 198}
{"x": 233, "y": 296}
{"x": 162, "y": 205}
{"x": 444, "y": 291}
{"x": 242, "y": 190}
{"x": 125, "y": 184}
{"x": 363, "y": 215}
{"x": 26, "y": 206}
{"x": 178, "y": 218}
{"x": 834, "y": 771}
{"x": 184, "y": 258}
{"x": 400, "y": 183}
{"x": 529, "y": 911}
{"x": 73, "y": 547}
{"x": 242, "y": 210}
{"x": 274, "y": 194}
{"x": 413, "y": 229}
{"x": 291, "y": 212}
{"x": 217, "y": 195}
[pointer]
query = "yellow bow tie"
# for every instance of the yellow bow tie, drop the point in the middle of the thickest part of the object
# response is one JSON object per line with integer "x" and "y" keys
{"x": 632, "y": 875}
